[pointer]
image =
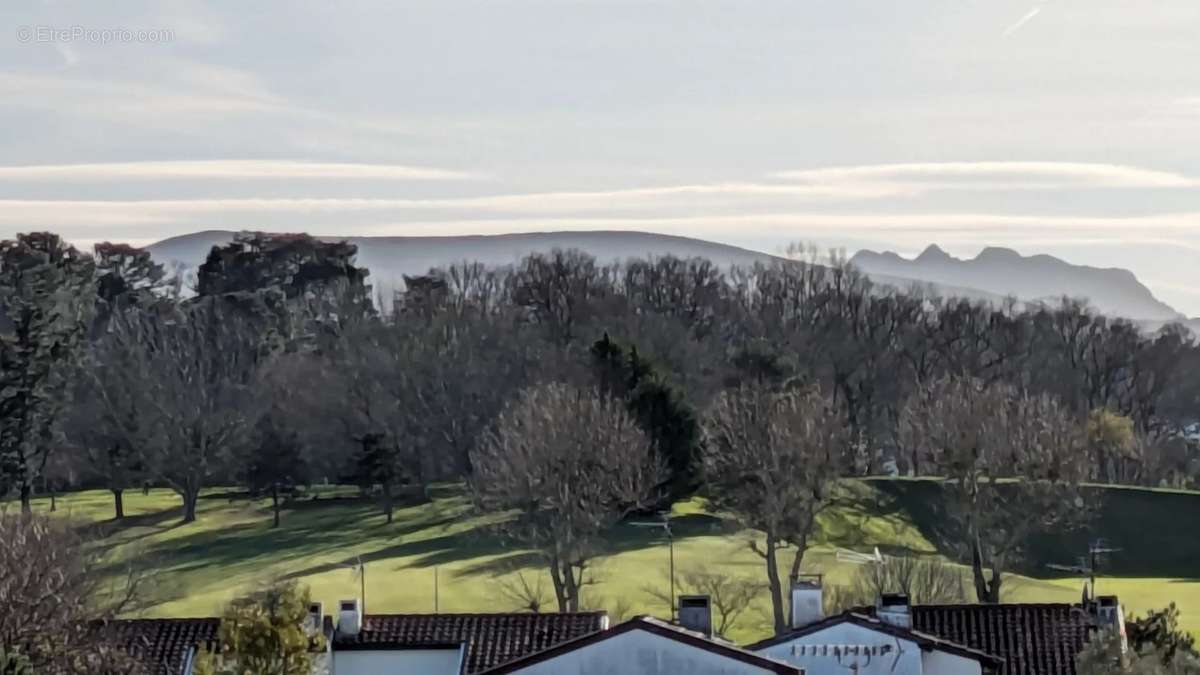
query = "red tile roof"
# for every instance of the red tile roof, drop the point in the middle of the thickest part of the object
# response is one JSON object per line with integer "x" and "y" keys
{"x": 1033, "y": 639}
{"x": 491, "y": 639}
{"x": 163, "y": 644}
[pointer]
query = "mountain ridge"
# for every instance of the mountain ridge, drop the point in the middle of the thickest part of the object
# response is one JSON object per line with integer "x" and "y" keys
{"x": 1005, "y": 271}
{"x": 390, "y": 257}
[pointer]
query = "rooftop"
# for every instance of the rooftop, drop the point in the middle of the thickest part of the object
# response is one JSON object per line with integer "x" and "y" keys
{"x": 491, "y": 639}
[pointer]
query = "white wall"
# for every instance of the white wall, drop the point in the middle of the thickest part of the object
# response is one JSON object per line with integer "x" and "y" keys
{"x": 849, "y": 634}
{"x": 905, "y": 655}
{"x": 398, "y": 662}
{"x": 639, "y": 652}
{"x": 945, "y": 663}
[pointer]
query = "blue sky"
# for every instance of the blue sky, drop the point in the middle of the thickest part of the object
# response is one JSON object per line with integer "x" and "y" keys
{"x": 1066, "y": 127}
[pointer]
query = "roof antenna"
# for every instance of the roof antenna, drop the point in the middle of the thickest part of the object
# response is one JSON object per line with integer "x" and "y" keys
{"x": 1088, "y": 565}
{"x": 664, "y": 523}
{"x": 875, "y": 558}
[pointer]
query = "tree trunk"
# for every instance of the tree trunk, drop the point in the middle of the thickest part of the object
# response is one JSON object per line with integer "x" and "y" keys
{"x": 985, "y": 591}
{"x": 275, "y": 503}
{"x": 26, "y": 497}
{"x": 560, "y": 593}
{"x": 797, "y": 559}
{"x": 388, "y": 506}
{"x": 53, "y": 501}
{"x": 570, "y": 588}
{"x": 781, "y": 624}
{"x": 118, "y": 503}
{"x": 190, "y": 497}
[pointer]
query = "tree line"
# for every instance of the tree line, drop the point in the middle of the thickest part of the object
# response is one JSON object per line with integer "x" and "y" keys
{"x": 571, "y": 393}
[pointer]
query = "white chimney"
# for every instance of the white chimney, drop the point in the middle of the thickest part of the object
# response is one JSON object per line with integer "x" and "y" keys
{"x": 349, "y": 617}
{"x": 1110, "y": 616}
{"x": 316, "y": 617}
{"x": 893, "y": 608}
{"x": 695, "y": 613}
{"x": 807, "y": 606}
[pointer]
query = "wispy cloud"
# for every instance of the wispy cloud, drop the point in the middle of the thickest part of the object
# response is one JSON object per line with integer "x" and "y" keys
{"x": 226, "y": 169}
{"x": 998, "y": 175}
{"x": 1026, "y": 18}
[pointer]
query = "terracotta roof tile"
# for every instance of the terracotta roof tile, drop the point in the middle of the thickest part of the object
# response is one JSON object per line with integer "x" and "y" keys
{"x": 1033, "y": 639}
{"x": 163, "y": 644}
{"x": 491, "y": 639}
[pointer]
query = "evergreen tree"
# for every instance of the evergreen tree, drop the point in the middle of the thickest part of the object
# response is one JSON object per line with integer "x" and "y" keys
{"x": 45, "y": 304}
{"x": 658, "y": 408}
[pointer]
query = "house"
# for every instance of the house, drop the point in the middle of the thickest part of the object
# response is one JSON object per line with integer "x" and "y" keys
{"x": 645, "y": 646}
{"x": 896, "y": 638}
{"x": 891, "y": 638}
{"x": 396, "y": 644}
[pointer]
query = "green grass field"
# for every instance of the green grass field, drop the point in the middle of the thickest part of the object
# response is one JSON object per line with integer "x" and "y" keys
{"x": 233, "y": 549}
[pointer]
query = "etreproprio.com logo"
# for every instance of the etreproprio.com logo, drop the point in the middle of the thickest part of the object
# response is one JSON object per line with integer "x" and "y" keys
{"x": 90, "y": 35}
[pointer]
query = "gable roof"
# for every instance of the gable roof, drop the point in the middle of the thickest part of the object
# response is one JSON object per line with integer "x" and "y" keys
{"x": 922, "y": 639}
{"x": 1033, "y": 639}
{"x": 657, "y": 627}
{"x": 490, "y": 639}
{"x": 163, "y": 644}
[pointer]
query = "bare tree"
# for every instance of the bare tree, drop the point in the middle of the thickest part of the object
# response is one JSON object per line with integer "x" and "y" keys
{"x": 571, "y": 463}
{"x": 729, "y": 596}
{"x": 925, "y": 580}
{"x": 1012, "y": 462}
{"x": 772, "y": 459}
{"x": 178, "y": 384}
{"x": 55, "y": 600}
{"x": 526, "y": 591}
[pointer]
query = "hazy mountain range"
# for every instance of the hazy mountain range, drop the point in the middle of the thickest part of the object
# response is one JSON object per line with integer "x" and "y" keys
{"x": 994, "y": 274}
{"x": 1005, "y": 272}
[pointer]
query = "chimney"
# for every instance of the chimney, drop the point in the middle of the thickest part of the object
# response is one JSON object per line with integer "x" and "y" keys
{"x": 893, "y": 608}
{"x": 807, "y": 607}
{"x": 695, "y": 613}
{"x": 349, "y": 617}
{"x": 316, "y": 617}
{"x": 1109, "y": 615}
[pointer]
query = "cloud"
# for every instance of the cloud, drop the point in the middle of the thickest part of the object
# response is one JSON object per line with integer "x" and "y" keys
{"x": 226, "y": 169}
{"x": 1026, "y": 18}
{"x": 998, "y": 175}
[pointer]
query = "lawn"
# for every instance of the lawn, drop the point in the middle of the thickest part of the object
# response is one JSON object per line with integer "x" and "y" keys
{"x": 233, "y": 549}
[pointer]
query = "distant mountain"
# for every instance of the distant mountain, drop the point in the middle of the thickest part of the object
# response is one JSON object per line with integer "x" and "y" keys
{"x": 389, "y": 258}
{"x": 1005, "y": 272}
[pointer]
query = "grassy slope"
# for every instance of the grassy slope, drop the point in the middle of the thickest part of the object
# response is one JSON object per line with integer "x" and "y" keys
{"x": 233, "y": 548}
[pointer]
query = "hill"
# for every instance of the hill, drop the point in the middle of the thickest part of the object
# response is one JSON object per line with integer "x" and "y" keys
{"x": 232, "y": 548}
{"x": 389, "y": 258}
{"x": 1003, "y": 271}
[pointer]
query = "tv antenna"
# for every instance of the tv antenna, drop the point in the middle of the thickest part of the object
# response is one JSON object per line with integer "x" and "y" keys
{"x": 1088, "y": 565}
{"x": 856, "y": 558}
{"x": 664, "y": 523}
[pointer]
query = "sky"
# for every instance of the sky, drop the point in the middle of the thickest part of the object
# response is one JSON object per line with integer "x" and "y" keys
{"x": 1067, "y": 127}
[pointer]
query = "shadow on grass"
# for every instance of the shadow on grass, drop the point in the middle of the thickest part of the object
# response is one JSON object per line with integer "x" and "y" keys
{"x": 1155, "y": 531}
{"x": 496, "y": 554}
